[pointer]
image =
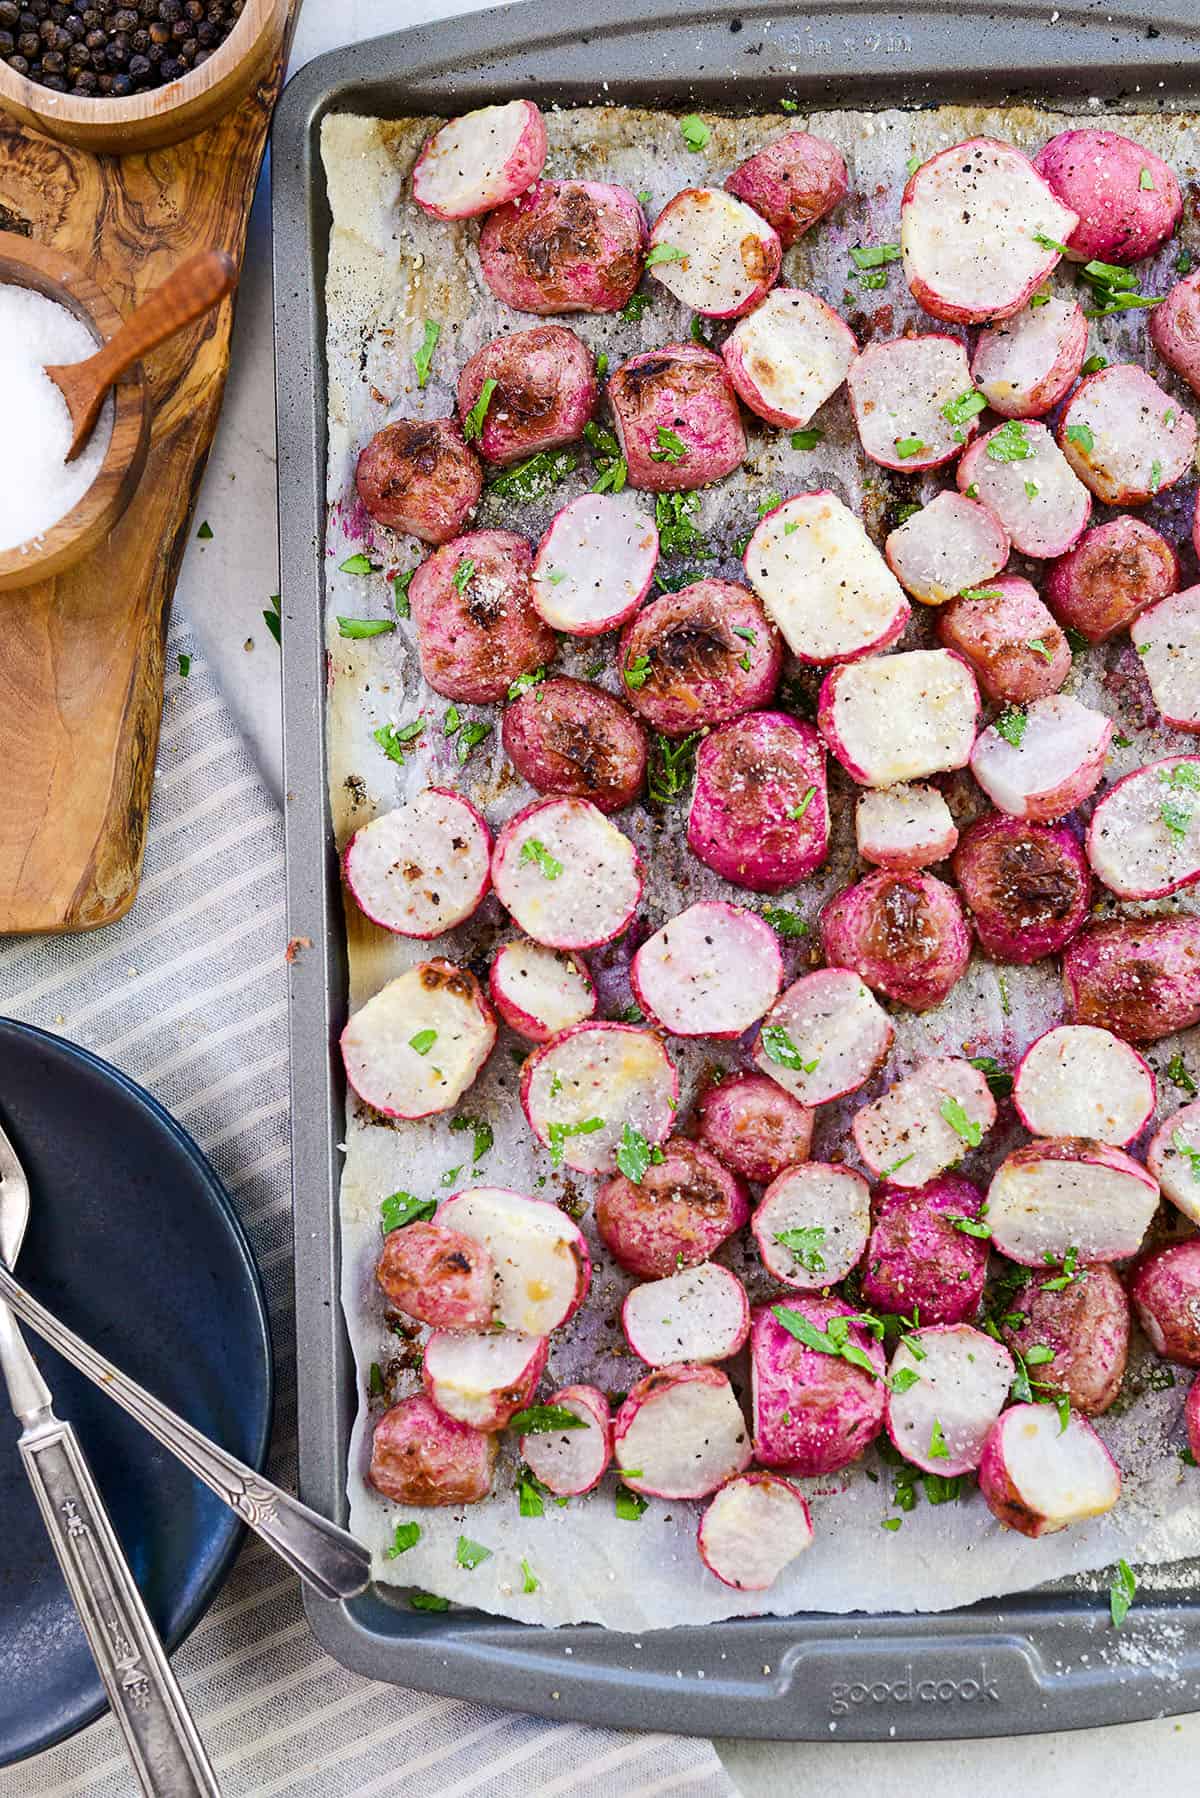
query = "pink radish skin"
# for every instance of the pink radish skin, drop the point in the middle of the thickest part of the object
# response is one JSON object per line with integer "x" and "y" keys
{"x": 701, "y": 1314}
{"x": 419, "y": 477}
{"x": 1115, "y": 571}
{"x": 1167, "y": 638}
{"x": 1191, "y": 1413}
{"x": 905, "y": 1136}
{"x": 685, "y": 1207}
{"x": 817, "y": 1196}
{"x": 950, "y": 544}
{"x": 905, "y": 934}
{"x": 544, "y": 392}
{"x": 1125, "y": 437}
{"x": 730, "y": 257}
{"x": 421, "y": 1457}
{"x": 382, "y": 1066}
{"x": 989, "y": 271}
{"x": 1076, "y": 1080}
{"x": 680, "y": 1433}
{"x": 941, "y": 1420}
{"x": 1037, "y": 1477}
{"x": 813, "y": 1413}
{"x": 614, "y": 1072}
{"x": 540, "y": 991}
{"x": 899, "y": 390}
{"x": 482, "y": 1379}
{"x": 1085, "y": 1323}
{"x": 565, "y": 246}
{"x": 1165, "y": 1291}
{"x": 571, "y": 1462}
{"x": 840, "y": 1033}
{"x": 567, "y": 737}
{"x": 918, "y": 1263}
{"x": 439, "y": 1276}
{"x": 788, "y": 356}
{"x": 1177, "y": 1173}
{"x": 1012, "y": 642}
{"x": 1057, "y": 764}
{"x": 477, "y": 631}
{"x": 594, "y": 566}
{"x": 1027, "y": 887}
{"x": 568, "y": 877}
{"x": 793, "y": 183}
{"x": 1175, "y": 330}
{"x": 702, "y": 655}
{"x": 1025, "y": 366}
{"x": 753, "y": 1127}
{"x": 480, "y": 160}
{"x": 1074, "y": 1196}
{"x": 933, "y": 690}
{"x": 823, "y": 581}
{"x": 542, "y": 1265}
{"x": 753, "y": 1529}
{"x": 1144, "y": 838}
{"x": 711, "y": 971}
{"x": 1138, "y": 977}
{"x": 904, "y": 828}
{"x": 683, "y": 389}
{"x": 424, "y": 868}
{"x": 1127, "y": 198}
{"x": 1037, "y": 496}
{"x": 759, "y": 815}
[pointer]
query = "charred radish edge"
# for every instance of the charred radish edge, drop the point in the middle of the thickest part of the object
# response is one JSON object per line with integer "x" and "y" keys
{"x": 415, "y": 1047}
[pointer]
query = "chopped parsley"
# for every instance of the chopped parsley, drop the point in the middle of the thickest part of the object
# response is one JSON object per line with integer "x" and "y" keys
{"x": 529, "y": 1580}
{"x": 1049, "y": 243}
{"x": 1038, "y": 646}
{"x": 1187, "y": 1152}
{"x": 463, "y": 573}
{"x": 787, "y": 923}
{"x": 635, "y": 1154}
{"x": 1012, "y": 724}
{"x": 1038, "y": 1355}
{"x": 637, "y": 671}
{"x": 401, "y": 1208}
{"x": 611, "y": 471}
{"x": 185, "y": 664}
{"x": 470, "y": 737}
{"x": 1070, "y": 1271}
{"x": 1177, "y": 1074}
{"x": 356, "y": 564}
{"x": 473, "y": 422}
{"x": 1146, "y": 181}
{"x": 471, "y": 1554}
{"x": 1000, "y": 1084}
{"x": 536, "y": 476}
{"x": 405, "y": 1536}
{"x": 428, "y": 1601}
{"x": 541, "y": 1420}
{"x": 972, "y": 1226}
{"x": 896, "y": 1166}
{"x": 671, "y": 447}
{"x": 558, "y": 1134}
{"x": 1156, "y": 474}
{"x": 357, "y": 627}
{"x": 779, "y": 1048}
{"x": 673, "y": 515}
{"x": 907, "y": 447}
{"x": 1093, "y": 365}
{"x": 1121, "y": 1593}
{"x": 394, "y": 739}
{"x": 483, "y": 1133}
{"x": 629, "y": 1505}
{"x": 1115, "y": 288}
{"x": 671, "y": 769}
{"x": 1177, "y": 818}
{"x": 962, "y": 1125}
{"x": 874, "y": 255}
{"x": 205, "y": 531}
{"x": 664, "y": 252}
{"x": 806, "y": 440}
{"x": 271, "y": 617}
{"x": 694, "y": 131}
{"x": 805, "y": 1245}
{"x": 980, "y": 593}
{"x": 423, "y": 1041}
{"x": 534, "y": 850}
{"x": 533, "y": 678}
{"x": 903, "y": 1379}
{"x": 833, "y": 1340}
{"x": 796, "y": 812}
{"x": 423, "y": 356}
{"x": 1010, "y": 443}
{"x": 1082, "y": 435}
{"x": 635, "y": 308}
{"x": 958, "y": 411}
{"x": 937, "y": 1443}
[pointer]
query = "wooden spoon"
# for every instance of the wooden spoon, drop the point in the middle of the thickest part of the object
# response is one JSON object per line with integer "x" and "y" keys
{"x": 187, "y": 293}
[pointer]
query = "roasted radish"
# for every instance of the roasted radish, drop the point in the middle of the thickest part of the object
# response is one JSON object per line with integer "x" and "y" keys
{"x": 482, "y": 1378}
{"x": 423, "y": 868}
{"x": 1039, "y": 1475}
{"x": 594, "y": 566}
{"x": 753, "y": 1127}
{"x": 714, "y": 252}
{"x": 540, "y": 991}
{"x": 566, "y": 736}
{"x": 1175, "y": 330}
{"x": 570, "y": 1460}
{"x": 823, "y": 581}
{"x": 702, "y": 655}
{"x": 439, "y": 1276}
{"x": 565, "y": 246}
{"x": 824, "y": 1037}
{"x": 1074, "y": 1197}
{"x": 480, "y": 160}
{"x": 1076, "y": 1080}
{"x": 1174, "y": 1159}
{"x": 932, "y": 690}
{"x": 753, "y": 1528}
{"x": 904, "y": 828}
{"x": 788, "y": 356}
{"x": 793, "y": 182}
{"x": 925, "y": 1258}
{"x": 1167, "y": 637}
{"x": 677, "y": 1213}
{"x": 680, "y": 1433}
{"x": 811, "y": 1225}
{"x": 527, "y": 392}
{"x": 570, "y": 878}
{"x": 477, "y": 630}
{"x": 711, "y": 971}
{"x": 699, "y": 1314}
{"x": 1021, "y": 474}
{"x": 1026, "y": 886}
{"x": 1144, "y": 838}
{"x": 1012, "y": 642}
{"x": 1024, "y": 366}
{"x": 1115, "y": 571}
{"x": 415, "y": 1047}
{"x": 904, "y": 934}
{"x": 1072, "y": 1330}
{"x": 913, "y": 401}
{"x": 814, "y": 1412}
{"x": 421, "y": 1457}
{"x": 947, "y": 1385}
{"x": 1138, "y": 977}
{"x": 540, "y": 1256}
{"x": 1127, "y": 198}
{"x": 1191, "y": 1413}
{"x": 1165, "y": 1291}
{"x": 949, "y": 545}
{"x": 419, "y": 476}
{"x": 1124, "y": 437}
{"x": 676, "y": 417}
{"x": 584, "y": 1090}
{"x": 1042, "y": 761}
{"x": 925, "y": 1122}
{"x": 759, "y": 815}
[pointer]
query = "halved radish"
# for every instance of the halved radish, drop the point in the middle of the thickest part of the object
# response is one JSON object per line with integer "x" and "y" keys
{"x": 759, "y": 814}
{"x": 824, "y": 1037}
{"x": 1013, "y": 643}
{"x": 1042, "y": 761}
{"x": 569, "y": 1462}
{"x": 932, "y": 690}
{"x": 681, "y": 1433}
{"x": 904, "y": 828}
{"x": 1021, "y": 474}
{"x": 714, "y": 252}
{"x": 423, "y": 868}
{"x": 1124, "y": 437}
{"x": 1037, "y": 1475}
{"x": 812, "y": 1224}
{"x": 753, "y": 1528}
{"x": 788, "y": 356}
{"x": 926, "y": 1122}
{"x": 1167, "y": 637}
{"x": 540, "y": 991}
{"x": 1138, "y": 977}
{"x": 567, "y": 875}
{"x": 418, "y": 1043}
{"x": 951, "y": 544}
{"x": 540, "y": 1256}
{"x": 480, "y": 160}
{"x": 753, "y": 1127}
{"x": 441, "y": 1277}
{"x": 1191, "y": 1413}
{"x": 482, "y": 1377}
{"x": 1165, "y": 1292}
{"x": 1027, "y": 887}
{"x": 913, "y": 401}
{"x": 814, "y": 1412}
{"x": 1077, "y": 1080}
{"x": 979, "y": 231}
{"x": 584, "y": 1089}
{"x": 1144, "y": 838}
{"x": 1073, "y": 1197}
{"x": 699, "y": 1314}
{"x": 1174, "y": 1159}
{"x": 712, "y": 971}
{"x": 906, "y": 935}
{"x": 1114, "y": 572}
{"x": 947, "y": 1385}
{"x": 925, "y": 1258}
{"x": 1024, "y": 366}
{"x": 823, "y": 581}
{"x": 669, "y": 1212}
{"x": 594, "y": 566}
{"x": 421, "y": 1457}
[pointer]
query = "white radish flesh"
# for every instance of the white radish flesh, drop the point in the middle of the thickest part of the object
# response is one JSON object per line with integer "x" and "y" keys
{"x": 812, "y": 1224}
{"x": 540, "y": 991}
{"x": 1124, "y": 437}
{"x": 594, "y": 566}
{"x": 753, "y": 1528}
{"x": 1144, "y": 838}
{"x": 788, "y": 356}
{"x": 947, "y": 1387}
{"x": 569, "y": 1462}
{"x": 541, "y": 1261}
{"x": 716, "y": 254}
{"x": 712, "y": 971}
{"x": 701, "y": 1314}
{"x": 1167, "y": 638}
{"x": 423, "y": 868}
{"x": 581, "y": 1091}
{"x": 416, "y": 1046}
{"x": 1174, "y": 1159}
{"x": 1038, "y": 1477}
{"x": 904, "y": 827}
{"x": 901, "y": 393}
{"x": 926, "y": 1122}
{"x": 1024, "y": 366}
{"x": 951, "y": 544}
{"x": 1019, "y": 472}
{"x": 481, "y": 160}
{"x": 1055, "y": 763}
{"x": 482, "y": 1379}
{"x": 1079, "y": 1080}
{"x": 681, "y": 1433}
{"x": 931, "y": 690}
{"x": 823, "y": 582}
{"x": 1051, "y": 1199}
{"x": 824, "y": 1037}
{"x": 568, "y": 876}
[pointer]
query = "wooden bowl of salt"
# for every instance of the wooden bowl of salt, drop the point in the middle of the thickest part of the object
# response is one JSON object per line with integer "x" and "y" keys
{"x": 51, "y": 512}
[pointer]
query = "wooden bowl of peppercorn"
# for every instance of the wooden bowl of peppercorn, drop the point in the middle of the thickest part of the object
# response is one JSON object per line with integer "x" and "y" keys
{"x": 120, "y": 76}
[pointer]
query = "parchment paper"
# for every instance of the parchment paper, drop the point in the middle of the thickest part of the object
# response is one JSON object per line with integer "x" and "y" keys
{"x": 390, "y": 269}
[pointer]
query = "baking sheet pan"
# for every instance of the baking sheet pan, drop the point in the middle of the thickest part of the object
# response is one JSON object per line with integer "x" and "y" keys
{"x": 1045, "y": 1661}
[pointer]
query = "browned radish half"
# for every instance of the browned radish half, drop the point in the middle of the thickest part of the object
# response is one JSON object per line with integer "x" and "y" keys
{"x": 925, "y": 1258}
{"x": 933, "y": 690}
{"x": 565, "y": 246}
{"x": 904, "y": 828}
{"x": 570, "y": 1461}
{"x": 1024, "y": 366}
{"x": 1019, "y": 472}
{"x": 680, "y": 1433}
{"x": 594, "y": 566}
{"x": 568, "y": 736}
{"x": 1043, "y": 761}
{"x": 1077, "y": 1080}
{"x": 793, "y": 182}
{"x": 568, "y": 876}
{"x": 1167, "y": 637}
{"x": 712, "y": 971}
{"x": 699, "y": 1314}
{"x": 1027, "y": 886}
{"x": 1175, "y": 330}
{"x": 585, "y": 1088}
{"x": 1078, "y": 1324}
{"x": 421, "y": 1457}
{"x": 1074, "y": 1197}
{"x": 824, "y": 1037}
{"x": 760, "y": 812}
{"x": 477, "y": 631}
{"x": 951, "y": 544}
{"x": 714, "y": 252}
{"x": 1039, "y": 1476}
{"x": 979, "y": 231}
{"x": 480, "y": 160}
{"x": 1124, "y": 437}
{"x": 1165, "y": 1290}
{"x": 533, "y": 390}
{"x": 439, "y": 1276}
{"x": 812, "y": 1224}
{"x": 753, "y": 1127}
{"x": 1144, "y": 838}
{"x": 482, "y": 1378}
{"x": 753, "y": 1528}
{"x": 543, "y": 1268}
{"x": 418, "y": 475}
{"x": 913, "y": 401}
{"x": 1191, "y": 1412}
{"x": 1174, "y": 1159}
{"x": 676, "y": 418}
{"x": 1012, "y": 642}
{"x": 669, "y": 1213}
{"x": 1138, "y": 977}
{"x": 947, "y": 1385}
{"x": 1127, "y": 198}
{"x": 823, "y": 581}
{"x": 788, "y": 356}
{"x": 926, "y": 1122}
{"x": 814, "y": 1411}
{"x": 1114, "y": 571}
{"x": 540, "y": 991}
{"x": 415, "y": 1047}
{"x": 423, "y": 868}
{"x": 701, "y": 655}
{"x": 905, "y": 934}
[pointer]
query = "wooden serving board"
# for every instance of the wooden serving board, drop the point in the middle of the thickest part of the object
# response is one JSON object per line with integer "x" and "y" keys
{"x": 81, "y": 655}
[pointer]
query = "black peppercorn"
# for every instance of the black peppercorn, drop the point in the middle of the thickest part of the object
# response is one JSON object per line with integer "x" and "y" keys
{"x": 103, "y": 47}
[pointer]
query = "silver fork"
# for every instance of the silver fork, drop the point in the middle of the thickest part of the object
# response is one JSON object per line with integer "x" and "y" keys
{"x": 163, "y": 1742}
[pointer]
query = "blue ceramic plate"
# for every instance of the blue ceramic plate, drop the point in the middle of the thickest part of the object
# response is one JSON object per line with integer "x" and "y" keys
{"x": 133, "y": 1242}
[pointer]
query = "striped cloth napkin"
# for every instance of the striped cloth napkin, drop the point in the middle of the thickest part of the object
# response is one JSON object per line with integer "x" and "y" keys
{"x": 187, "y": 995}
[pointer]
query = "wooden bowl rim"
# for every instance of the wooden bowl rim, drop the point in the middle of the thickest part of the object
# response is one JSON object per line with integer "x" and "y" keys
{"x": 98, "y": 509}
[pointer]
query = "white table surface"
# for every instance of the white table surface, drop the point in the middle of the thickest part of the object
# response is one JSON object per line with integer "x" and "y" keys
{"x": 225, "y": 583}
